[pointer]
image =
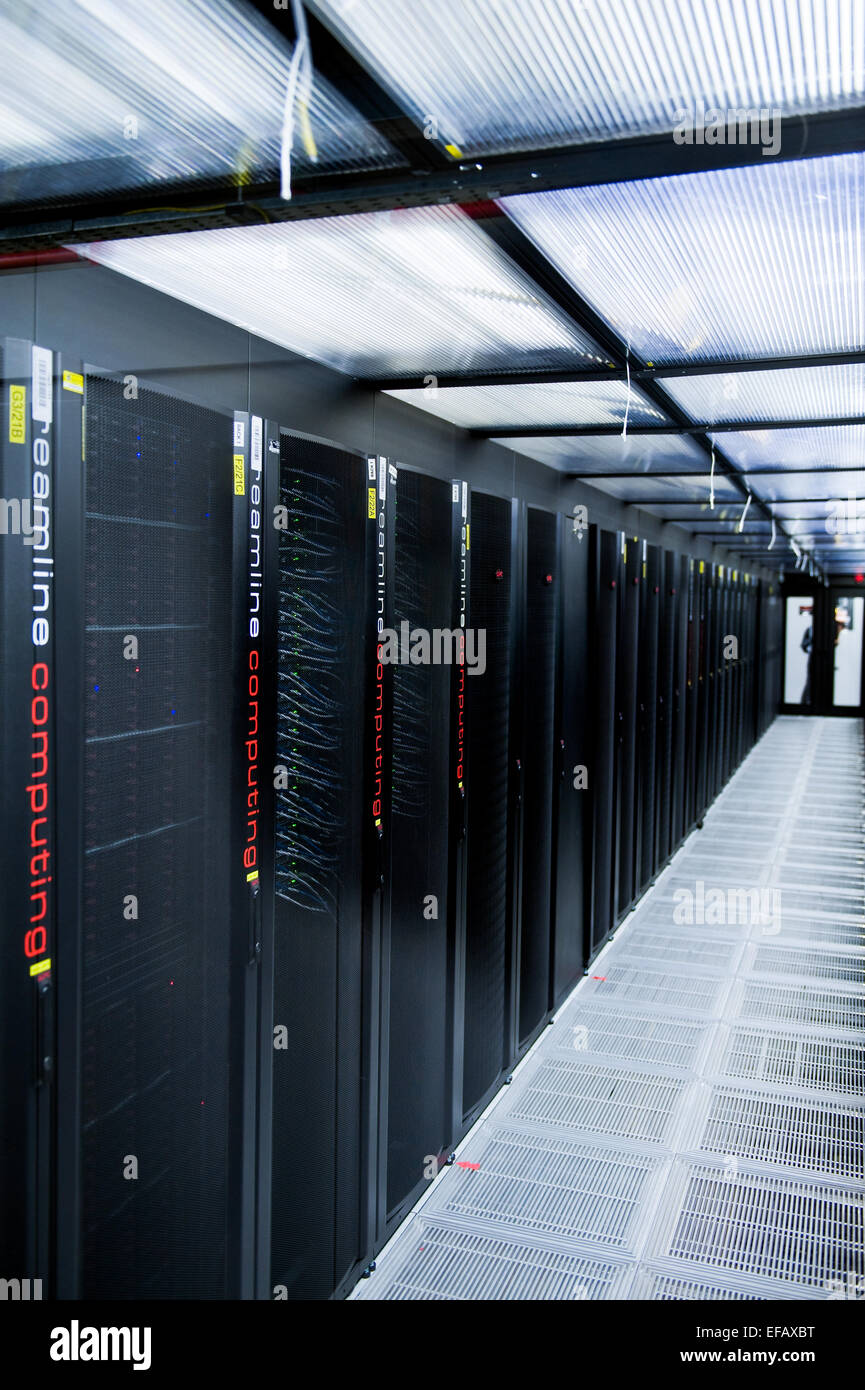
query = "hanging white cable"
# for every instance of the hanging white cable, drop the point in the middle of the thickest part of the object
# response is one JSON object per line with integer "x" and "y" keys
{"x": 712, "y": 482}
{"x": 772, "y": 541}
{"x": 744, "y": 514}
{"x": 297, "y": 96}
{"x": 628, "y": 397}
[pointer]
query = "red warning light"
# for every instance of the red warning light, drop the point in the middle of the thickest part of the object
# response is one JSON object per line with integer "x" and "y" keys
{"x": 860, "y": 578}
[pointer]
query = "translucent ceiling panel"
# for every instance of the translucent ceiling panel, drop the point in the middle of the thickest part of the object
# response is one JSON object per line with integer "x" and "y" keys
{"x": 500, "y": 75}
{"x": 101, "y": 95}
{"x": 610, "y": 453}
{"x": 641, "y": 489}
{"x": 566, "y": 403}
{"x": 812, "y": 512}
{"x": 764, "y": 261}
{"x": 731, "y": 522}
{"x": 781, "y": 487}
{"x": 842, "y": 446}
{"x": 803, "y": 393}
{"x": 413, "y": 292}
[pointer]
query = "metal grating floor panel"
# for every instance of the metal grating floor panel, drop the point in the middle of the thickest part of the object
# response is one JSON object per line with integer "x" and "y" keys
{"x": 691, "y": 1126}
{"x": 806, "y": 1063}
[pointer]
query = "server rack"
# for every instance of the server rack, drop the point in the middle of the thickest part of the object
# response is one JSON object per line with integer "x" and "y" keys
{"x": 605, "y": 575}
{"x": 542, "y": 586}
{"x": 573, "y": 753}
{"x": 647, "y": 717}
{"x": 678, "y": 572}
{"x": 332, "y": 778}
{"x": 256, "y": 446}
{"x": 494, "y": 811}
{"x": 716, "y": 665}
{"x": 28, "y": 857}
{"x": 666, "y": 711}
{"x": 627, "y": 668}
{"x": 425, "y": 523}
{"x": 151, "y": 1035}
{"x": 735, "y": 672}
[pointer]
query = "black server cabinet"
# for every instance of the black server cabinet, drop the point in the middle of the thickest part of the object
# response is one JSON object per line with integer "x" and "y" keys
{"x": 28, "y": 845}
{"x": 573, "y": 754}
{"x": 542, "y": 586}
{"x": 704, "y": 615}
{"x": 715, "y": 665}
{"x": 692, "y": 687}
{"x": 627, "y": 668}
{"x": 332, "y": 779}
{"x": 666, "y": 716}
{"x": 433, "y": 655}
{"x": 708, "y": 686}
{"x": 605, "y": 577}
{"x": 152, "y": 612}
{"x": 647, "y": 717}
{"x": 493, "y": 809}
{"x": 732, "y": 653}
{"x": 678, "y": 570}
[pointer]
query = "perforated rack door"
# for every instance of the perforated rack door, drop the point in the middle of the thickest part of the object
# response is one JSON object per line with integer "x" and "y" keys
{"x": 156, "y": 1081}
{"x": 321, "y": 973}
{"x": 489, "y": 811}
{"x": 605, "y": 578}
{"x": 418, "y": 1101}
{"x": 543, "y": 583}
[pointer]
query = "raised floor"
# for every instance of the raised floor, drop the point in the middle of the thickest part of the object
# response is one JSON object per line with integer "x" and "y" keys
{"x": 691, "y": 1124}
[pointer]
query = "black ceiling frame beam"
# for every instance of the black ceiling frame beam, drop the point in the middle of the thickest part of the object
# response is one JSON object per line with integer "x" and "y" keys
{"x": 561, "y": 376}
{"x": 198, "y": 204}
{"x": 767, "y": 501}
{"x": 728, "y": 427}
{"x": 522, "y": 251}
{"x": 775, "y": 472}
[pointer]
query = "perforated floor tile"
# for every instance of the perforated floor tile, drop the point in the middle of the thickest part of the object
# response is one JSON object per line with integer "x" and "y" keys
{"x": 691, "y": 1126}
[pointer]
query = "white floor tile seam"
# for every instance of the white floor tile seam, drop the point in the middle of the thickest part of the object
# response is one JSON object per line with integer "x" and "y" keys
{"x": 547, "y": 1165}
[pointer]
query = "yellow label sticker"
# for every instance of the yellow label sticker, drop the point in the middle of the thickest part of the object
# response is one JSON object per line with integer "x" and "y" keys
{"x": 702, "y": 566}
{"x": 251, "y": 877}
{"x": 73, "y": 381}
{"x": 454, "y": 151}
{"x": 40, "y": 966}
{"x": 239, "y": 476}
{"x": 735, "y": 574}
{"x": 468, "y": 537}
{"x": 17, "y": 414}
{"x": 370, "y": 503}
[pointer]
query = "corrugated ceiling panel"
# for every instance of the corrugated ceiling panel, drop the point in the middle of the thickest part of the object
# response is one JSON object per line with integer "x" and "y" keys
{"x": 842, "y": 446}
{"x": 104, "y": 95}
{"x": 566, "y": 403}
{"x": 496, "y": 75}
{"x": 412, "y": 292}
{"x": 636, "y": 453}
{"x": 764, "y": 261}
{"x": 804, "y": 393}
